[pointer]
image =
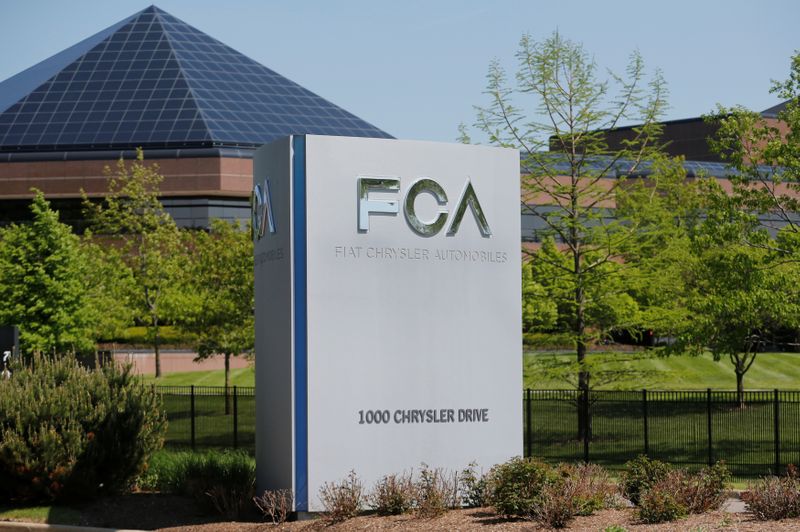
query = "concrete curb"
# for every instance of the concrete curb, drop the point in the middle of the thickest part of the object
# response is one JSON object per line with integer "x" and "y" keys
{"x": 20, "y": 526}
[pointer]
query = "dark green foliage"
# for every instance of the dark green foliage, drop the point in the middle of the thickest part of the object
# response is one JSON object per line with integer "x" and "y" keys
{"x": 221, "y": 481}
{"x": 515, "y": 486}
{"x": 774, "y": 498}
{"x": 640, "y": 474}
{"x": 71, "y": 433}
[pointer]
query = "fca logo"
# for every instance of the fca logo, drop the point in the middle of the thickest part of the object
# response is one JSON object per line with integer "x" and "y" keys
{"x": 262, "y": 210}
{"x": 367, "y": 206}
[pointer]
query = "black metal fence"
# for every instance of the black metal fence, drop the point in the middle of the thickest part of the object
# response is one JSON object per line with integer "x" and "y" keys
{"x": 691, "y": 428}
{"x": 204, "y": 416}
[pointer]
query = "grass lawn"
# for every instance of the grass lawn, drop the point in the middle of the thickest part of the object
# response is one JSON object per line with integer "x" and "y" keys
{"x": 549, "y": 371}
{"x": 637, "y": 371}
{"x": 239, "y": 377}
{"x": 62, "y": 515}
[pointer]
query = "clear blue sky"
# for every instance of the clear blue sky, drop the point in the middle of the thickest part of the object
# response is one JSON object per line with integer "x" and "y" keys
{"x": 415, "y": 68}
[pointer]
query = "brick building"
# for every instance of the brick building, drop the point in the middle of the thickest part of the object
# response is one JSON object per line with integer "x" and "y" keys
{"x": 197, "y": 107}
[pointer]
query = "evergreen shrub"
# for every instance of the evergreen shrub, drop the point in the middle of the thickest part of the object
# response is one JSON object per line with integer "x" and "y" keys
{"x": 68, "y": 432}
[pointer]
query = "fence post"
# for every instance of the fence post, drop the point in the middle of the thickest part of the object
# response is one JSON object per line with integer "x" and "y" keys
{"x": 586, "y": 430}
{"x": 235, "y": 419}
{"x": 528, "y": 429}
{"x": 777, "y": 434}
{"x": 646, "y": 428}
{"x": 192, "y": 414}
{"x": 708, "y": 411}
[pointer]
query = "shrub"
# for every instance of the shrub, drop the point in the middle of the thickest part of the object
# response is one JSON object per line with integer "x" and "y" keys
{"x": 342, "y": 500}
{"x": 774, "y": 498}
{"x": 640, "y": 474}
{"x": 681, "y": 493}
{"x": 578, "y": 490}
{"x": 592, "y": 489}
{"x": 473, "y": 487}
{"x": 705, "y": 490}
{"x": 393, "y": 495}
{"x": 515, "y": 486}
{"x": 223, "y": 481}
{"x": 435, "y": 492}
{"x": 275, "y": 504}
{"x": 660, "y": 503}
{"x": 67, "y": 432}
{"x": 556, "y": 504}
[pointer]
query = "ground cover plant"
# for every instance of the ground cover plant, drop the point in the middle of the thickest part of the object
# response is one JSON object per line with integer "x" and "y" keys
{"x": 68, "y": 432}
{"x": 222, "y": 481}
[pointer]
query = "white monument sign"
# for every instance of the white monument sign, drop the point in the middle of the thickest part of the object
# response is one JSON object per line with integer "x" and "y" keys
{"x": 387, "y": 309}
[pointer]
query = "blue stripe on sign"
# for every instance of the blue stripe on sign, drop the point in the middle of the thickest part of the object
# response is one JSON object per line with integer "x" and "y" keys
{"x": 300, "y": 324}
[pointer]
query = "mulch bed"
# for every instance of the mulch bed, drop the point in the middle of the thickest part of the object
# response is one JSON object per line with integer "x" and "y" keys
{"x": 151, "y": 511}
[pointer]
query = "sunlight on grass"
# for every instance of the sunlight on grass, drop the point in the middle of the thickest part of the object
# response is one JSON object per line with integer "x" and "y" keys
{"x": 634, "y": 371}
{"x": 61, "y": 515}
{"x": 239, "y": 377}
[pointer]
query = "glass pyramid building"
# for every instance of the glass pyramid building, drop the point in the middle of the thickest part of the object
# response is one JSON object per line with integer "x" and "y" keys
{"x": 198, "y": 108}
{"x": 154, "y": 81}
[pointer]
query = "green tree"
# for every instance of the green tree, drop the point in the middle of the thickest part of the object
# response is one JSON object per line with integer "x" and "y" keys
{"x": 218, "y": 299}
{"x": 110, "y": 290}
{"x": 754, "y": 229}
{"x": 737, "y": 295}
{"x": 766, "y": 158}
{"x": 42, "y": 274}
{"x": 539, "y": 312}
{"x": 666, "y": 209}
{"x": 571, "y": 173}
{"x": 131, "y": 218}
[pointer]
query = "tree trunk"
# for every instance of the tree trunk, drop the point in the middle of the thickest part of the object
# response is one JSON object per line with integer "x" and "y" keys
{"x": 227, "y": 383}
{"x": 584, "y": 418}
{"x": 740, "y": 388}
{"x": 156, "y": 346}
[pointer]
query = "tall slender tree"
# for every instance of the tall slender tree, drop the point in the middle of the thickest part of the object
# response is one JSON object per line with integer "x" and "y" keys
{"x": 132, "y": 218}
{"x": 571, "y": 174}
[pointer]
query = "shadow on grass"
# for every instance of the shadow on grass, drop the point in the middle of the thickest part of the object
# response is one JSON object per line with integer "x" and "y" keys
{"x": 58, "y": 515}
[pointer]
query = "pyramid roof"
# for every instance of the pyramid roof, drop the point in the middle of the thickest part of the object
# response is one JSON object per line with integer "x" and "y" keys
{"x": 153, "y": 81}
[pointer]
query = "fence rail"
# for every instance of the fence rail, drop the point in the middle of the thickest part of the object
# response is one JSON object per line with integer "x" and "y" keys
{"x": 203, "y": 416}
{"x": 691, "y": 428}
